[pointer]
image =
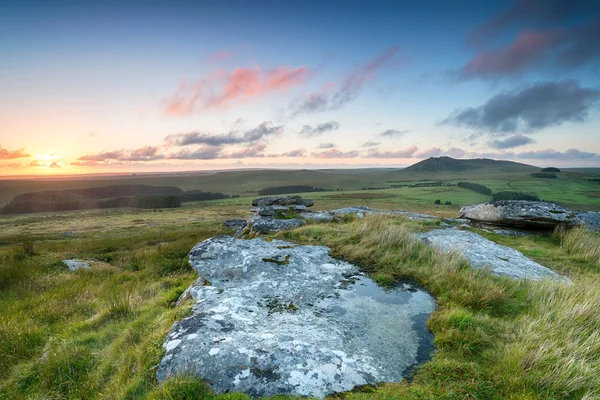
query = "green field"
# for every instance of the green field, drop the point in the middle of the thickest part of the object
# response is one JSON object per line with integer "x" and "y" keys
{"x": 571, "y": 188}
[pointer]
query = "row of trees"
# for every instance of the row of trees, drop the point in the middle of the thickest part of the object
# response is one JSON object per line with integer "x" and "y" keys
{"x": 135, "y": 196}
{"x": 268, "y": 191}
{"x": 476, "y": 187}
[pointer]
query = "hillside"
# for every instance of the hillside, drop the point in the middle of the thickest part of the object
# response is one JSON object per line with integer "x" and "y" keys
{"x": 449, "y": 164}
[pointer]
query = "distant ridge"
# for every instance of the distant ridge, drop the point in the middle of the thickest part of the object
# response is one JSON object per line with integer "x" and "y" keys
{"x": 446, "y": 164}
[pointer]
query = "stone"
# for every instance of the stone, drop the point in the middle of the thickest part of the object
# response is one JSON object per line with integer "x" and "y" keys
{"x": 520, "y": 213}
{"x": 299, "y": 208}
{"x": 76, "y": 264}
{"x": 234, "y": 224}
{"x": 270, "y": 225}
{"x": 266, "y": 211}
{"x": 590, "y": 219}
{"x": 319, "y": 216}
{"x": 415, "y": 216}
{"x": 285, "y": 319}
{"x": 353, "y": 210}
{"x": 511, "y": 232}
{"x": 481, "y": 252}
{"x": 282, "y": 201}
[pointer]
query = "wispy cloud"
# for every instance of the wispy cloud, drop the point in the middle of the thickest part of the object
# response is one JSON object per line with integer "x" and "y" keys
{"x": 560, "y": 44}
{"x": 317, "y": 130}
{"x": 326, "y": 145}
{"x": 13, "y": 154}
{"x": 529, "y": 109}
{"x": 336, "y": 96}
{"x": 335, "y": 153}
{"x": 370, "y": 143}
{"x": 222, "y": 88}
{"x": 404, "y": 153}
{"x": 146, "y": 153}
{"x": 262, "y": 131}
{"x": 511, "y": 142}
{"x": 394, "y": 132}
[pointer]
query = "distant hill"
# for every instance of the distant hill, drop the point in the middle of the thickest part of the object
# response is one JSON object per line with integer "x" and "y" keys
{"x": 448, "y": 164}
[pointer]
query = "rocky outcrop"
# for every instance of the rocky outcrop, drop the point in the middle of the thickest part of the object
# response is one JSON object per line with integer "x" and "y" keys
{"x": 526, "y": 214}
{"x": 234, "y": 224}
{"x": 282, "y": 201}
{"x": 272, "y": 225}
{"x": 481, "y": 253}
{"x": 284, "y": 319}
{"x": 590, "y": 219}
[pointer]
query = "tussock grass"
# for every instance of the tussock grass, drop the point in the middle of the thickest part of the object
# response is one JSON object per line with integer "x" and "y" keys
{"x": 97, "y": 334}
{"x": 582, "y": 244}
{"x": 496, "y": 337}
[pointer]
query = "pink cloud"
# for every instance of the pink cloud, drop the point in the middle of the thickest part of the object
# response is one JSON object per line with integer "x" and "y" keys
{"x": 222, "y": 88}
{"x": 12, "y": 154}
{"x": 333, "y": 97}
{"x": 529, "y": 47}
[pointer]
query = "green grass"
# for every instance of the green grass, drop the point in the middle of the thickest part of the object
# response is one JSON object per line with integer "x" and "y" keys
{"x": 496, "y": 337}
{"x": 97, "y": 334}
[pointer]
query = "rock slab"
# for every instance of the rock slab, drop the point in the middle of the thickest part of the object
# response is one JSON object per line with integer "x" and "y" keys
{"x": 481, "y": 252}
{"x": 286, "y": 319}
{"x": 520, "y": 213}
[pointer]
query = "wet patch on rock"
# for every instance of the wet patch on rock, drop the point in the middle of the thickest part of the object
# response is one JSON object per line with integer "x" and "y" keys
{"x": 311, "y": 327}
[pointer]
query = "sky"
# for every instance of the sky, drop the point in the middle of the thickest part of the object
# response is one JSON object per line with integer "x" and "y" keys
{"x": 134, "y": 86}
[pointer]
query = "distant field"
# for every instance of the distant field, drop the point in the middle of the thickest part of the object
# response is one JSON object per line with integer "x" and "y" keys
{"x": 571, "y": 188}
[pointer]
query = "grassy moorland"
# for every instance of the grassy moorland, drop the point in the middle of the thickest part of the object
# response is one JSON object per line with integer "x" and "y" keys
{"x": 97, "y": 334}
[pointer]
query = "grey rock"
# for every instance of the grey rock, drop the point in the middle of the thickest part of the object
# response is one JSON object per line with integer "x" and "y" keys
{"x": 527, "y": 214}
{"x": 69, "y": 233}
{"x": 282, "y": 201}
{"x": 320, "y": 216}
{"x": 511, "y": 232}
{"x": 360, "y": 215}
{"x": 590, "y": 219}
{"x": 353, "y": 210}
{"x": 76, "y": 264}
{"x": 481, "y": 252}
{"x": 415, "y": 216}
{"x": 270, "y": 225}
{"x": 299, "y": 208}
{"x": 266, "y": 211}
{"x": 234, "y": 224}
{"x": 301, "y": 328}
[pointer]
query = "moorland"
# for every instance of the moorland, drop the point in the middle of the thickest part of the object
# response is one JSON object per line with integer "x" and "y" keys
{"x": 98, "y": 333}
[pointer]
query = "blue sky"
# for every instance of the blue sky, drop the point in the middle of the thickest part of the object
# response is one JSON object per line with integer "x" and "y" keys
{"x": 148, "y": 86}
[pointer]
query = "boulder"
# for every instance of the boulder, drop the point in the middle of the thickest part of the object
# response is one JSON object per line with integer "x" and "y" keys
{"x": 234, "y": 224}
{"x": 282, "y": 201}
{"x": 590, "y": 219}
{"x": 320, "y": 216}
{"x": 270, "y": 225}
{"x": 521, "y": 213}
{"x": 76, "y": 264}
{"x": 266, "y": 211}
{"x": 415, "y": 216}
{"x": 481, "y": 252}
{"x": 284, "y": 319}
{"x": 353, "y": 210}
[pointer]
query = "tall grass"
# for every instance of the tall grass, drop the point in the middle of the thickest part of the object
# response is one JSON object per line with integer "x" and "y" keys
{"x": 495, "y": 337}
{"x": 582, "y": 244}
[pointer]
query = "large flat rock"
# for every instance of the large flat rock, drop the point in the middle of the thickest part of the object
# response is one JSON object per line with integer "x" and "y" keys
{"x": 289, "y": 319}
{"x": 481, "y": 252}
{"x": 520, "y": 213}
